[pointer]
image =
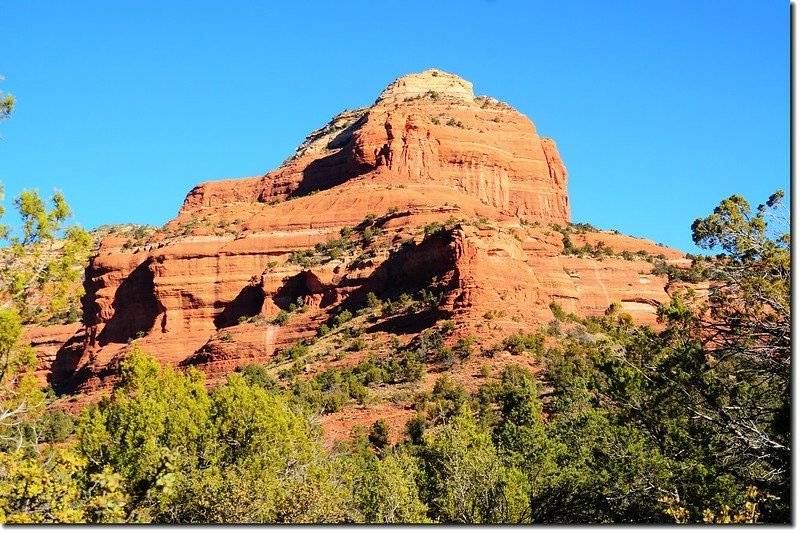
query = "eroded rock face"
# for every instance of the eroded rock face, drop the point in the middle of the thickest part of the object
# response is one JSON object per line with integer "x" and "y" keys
{"x": 426, "y": 128}
{"x": 446, "y": 191}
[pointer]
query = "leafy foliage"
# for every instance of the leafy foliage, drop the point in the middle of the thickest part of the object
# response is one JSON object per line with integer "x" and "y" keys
{"x": 7, "y": 102}
{"x": 622, "y": 423}
{"x": 37, "y": 279}
{"x": 464, "y": 479}
{"x": 41, "y": 268}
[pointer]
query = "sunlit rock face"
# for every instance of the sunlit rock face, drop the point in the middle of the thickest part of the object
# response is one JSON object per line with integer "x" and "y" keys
{"x": 202, "y": 290}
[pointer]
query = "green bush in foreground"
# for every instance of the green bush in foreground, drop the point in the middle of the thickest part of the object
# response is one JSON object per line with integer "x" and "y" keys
{"x": 621, "y": 424}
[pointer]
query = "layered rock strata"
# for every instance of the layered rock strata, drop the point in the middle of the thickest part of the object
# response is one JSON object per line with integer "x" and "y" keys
{"x": 428, "y": 188}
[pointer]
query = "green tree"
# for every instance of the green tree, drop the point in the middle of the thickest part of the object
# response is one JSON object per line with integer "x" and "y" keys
{"x": 746, "y": 335}
{"x": 750, "y": 299}
{"x": 38, "y": 483}
{"x": 21, "y": 400}
{"x": 379, "y": 434}
{"x": 619, "y": 434}
{"x": 41, "y": 268}
{"x": 7, "y": 102}
{"x": 268, "y": 464}
{"x": 382, "y": 490}
{"x": 699, "y": 411}
{"x": 151, "y": 429}
{"x": 55, "y": 426}
{"x": 34, "y": 491}
{"x": 464, "y": 480}
{"x": 53, "y": 488}
{"x": 258, "y": 375}
{"x": 238, "y": 454}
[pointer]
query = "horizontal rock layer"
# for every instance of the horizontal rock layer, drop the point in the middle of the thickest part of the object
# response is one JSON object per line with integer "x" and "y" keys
{"x": 428, "y": 152}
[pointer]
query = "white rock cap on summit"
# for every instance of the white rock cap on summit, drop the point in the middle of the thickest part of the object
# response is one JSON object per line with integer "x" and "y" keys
{"x": 430, "y": 81}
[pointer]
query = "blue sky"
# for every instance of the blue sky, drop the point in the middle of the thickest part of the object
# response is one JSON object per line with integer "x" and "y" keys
{"x": 659, "y": 109}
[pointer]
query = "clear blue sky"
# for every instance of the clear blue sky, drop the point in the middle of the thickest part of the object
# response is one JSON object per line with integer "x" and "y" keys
{"x": 659, "y": 109}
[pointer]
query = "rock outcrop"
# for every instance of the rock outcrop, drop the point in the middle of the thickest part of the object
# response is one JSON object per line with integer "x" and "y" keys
{"x": 426, "y": 129}
{"x": 428, "y": 188}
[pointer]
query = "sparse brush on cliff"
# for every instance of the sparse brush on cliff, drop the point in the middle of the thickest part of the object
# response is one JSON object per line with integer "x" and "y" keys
{"x": 700, "y": 270}
{"x": 524, "y": 418}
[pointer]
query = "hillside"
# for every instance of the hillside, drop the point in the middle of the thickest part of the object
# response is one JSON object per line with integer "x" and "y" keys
{"x": 399, "y": 324}
{"x": 430, "y": 212}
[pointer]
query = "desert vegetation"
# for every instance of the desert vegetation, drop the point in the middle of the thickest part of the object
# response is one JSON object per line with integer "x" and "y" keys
{"x": 619, "y": 423}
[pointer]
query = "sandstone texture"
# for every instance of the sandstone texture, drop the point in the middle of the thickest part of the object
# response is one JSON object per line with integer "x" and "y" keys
{"x": 429, "y": 188}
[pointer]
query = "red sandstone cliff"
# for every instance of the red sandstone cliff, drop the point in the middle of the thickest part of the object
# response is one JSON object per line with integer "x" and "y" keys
{"x": 426, "y": 152}
{"x": 425, "y": 129}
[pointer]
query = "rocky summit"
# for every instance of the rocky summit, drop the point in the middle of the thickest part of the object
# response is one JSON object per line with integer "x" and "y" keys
{"x": 431, "y": 210}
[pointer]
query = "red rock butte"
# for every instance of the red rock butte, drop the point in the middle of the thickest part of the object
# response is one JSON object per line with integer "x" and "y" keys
{"x": 428, "y": 154}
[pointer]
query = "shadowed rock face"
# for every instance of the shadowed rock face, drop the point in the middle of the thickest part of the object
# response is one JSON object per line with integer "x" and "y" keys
{"x": 426, "y": 152}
